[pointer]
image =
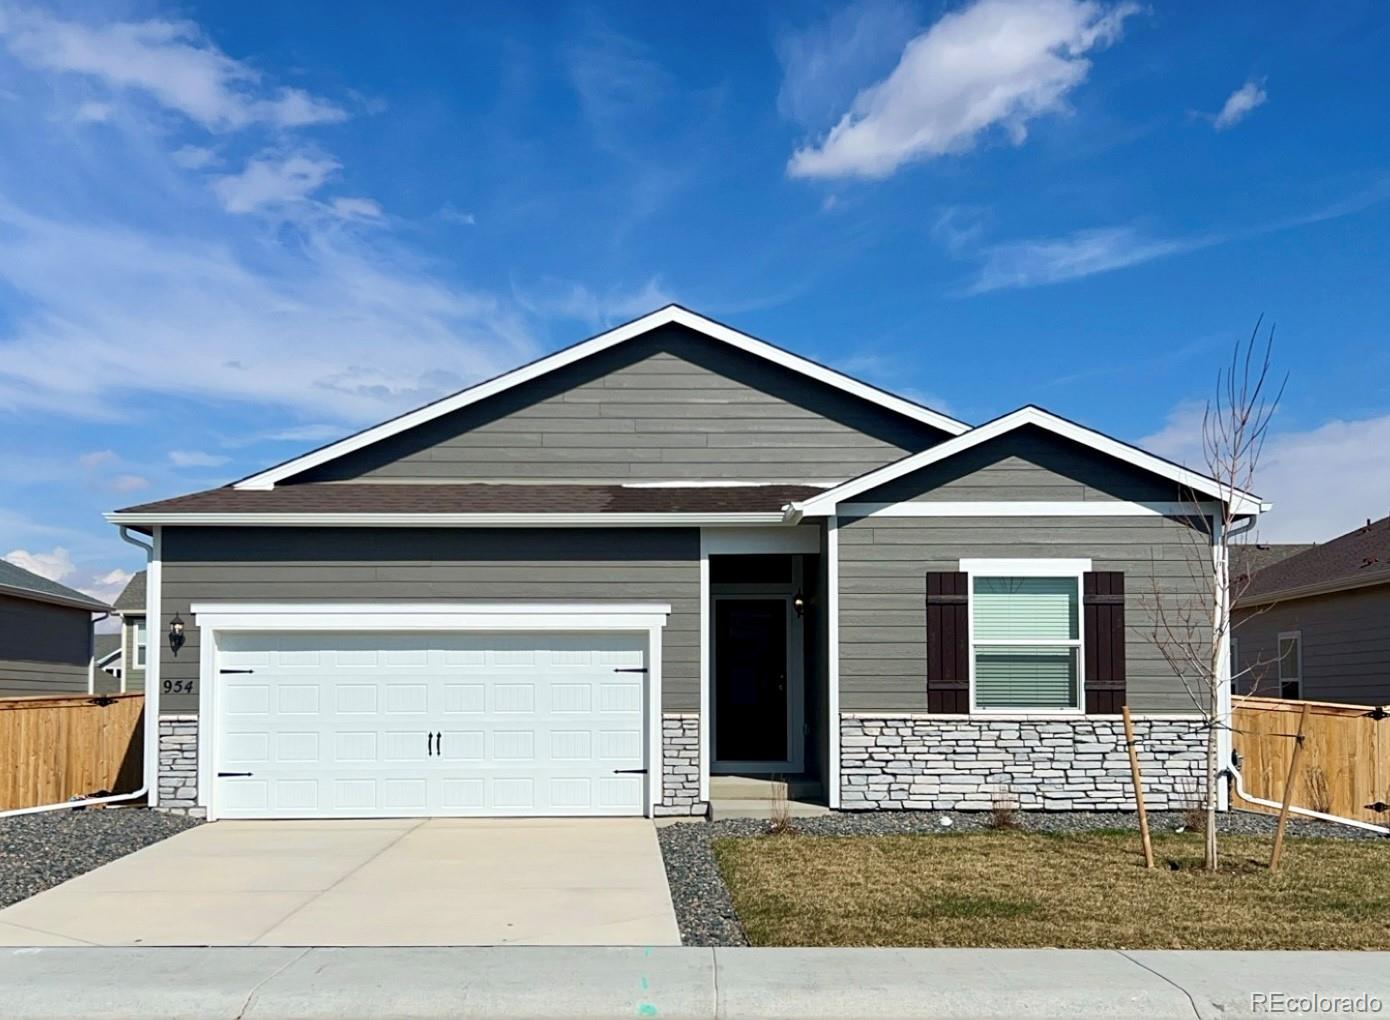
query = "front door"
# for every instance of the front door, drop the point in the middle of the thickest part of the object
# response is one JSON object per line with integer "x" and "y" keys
{"x": 750, "y": 681}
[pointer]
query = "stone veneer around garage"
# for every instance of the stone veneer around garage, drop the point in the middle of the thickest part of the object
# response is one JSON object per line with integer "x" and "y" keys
{"x": 954, "y": 763}
{"x": 178, "y": 765}
{"x": 680, "y": 766}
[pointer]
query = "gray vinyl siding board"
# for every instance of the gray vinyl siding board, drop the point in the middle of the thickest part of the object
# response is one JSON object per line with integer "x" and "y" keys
{"x": 883, "y": 566}
{"x": 1029, "y": 464}
{"x": 421, "y": 565}
{"x": 669, "y": 405}
{"x": 1346, "y": 645}
{"x": 44, "y": 648}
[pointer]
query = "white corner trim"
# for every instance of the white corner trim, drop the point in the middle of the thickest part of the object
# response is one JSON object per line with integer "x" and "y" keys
{"x": 832, "y": 643}
{"x": 1242, "y": 502}
{"x": 407, "y": 616}
{"x": 154, "y": 625}
{"x": 1026, "y": 508}
{"x": 594, "y": 345}
{"x": 703, "y": 728}
{"x": 1025, "y": 567}
{"x": 430, "y": 520}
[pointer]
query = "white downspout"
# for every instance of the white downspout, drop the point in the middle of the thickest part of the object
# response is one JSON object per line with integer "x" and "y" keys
{"x": 151, "y": 729}
{"x": 92, "y": 659}
{"x": 1234, "y": 773}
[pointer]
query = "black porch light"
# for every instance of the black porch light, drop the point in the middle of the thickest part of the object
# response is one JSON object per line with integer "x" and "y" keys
{"x": 799, "y": 604}
{"x": 176, "y": 633}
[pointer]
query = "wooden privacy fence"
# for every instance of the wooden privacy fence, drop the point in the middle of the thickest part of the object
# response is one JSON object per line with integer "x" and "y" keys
{"x": 52, "y": 749}
{"x": 1345, "y": 767}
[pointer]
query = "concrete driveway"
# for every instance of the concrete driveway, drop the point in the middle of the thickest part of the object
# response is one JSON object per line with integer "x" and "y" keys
{"x": 407, "y": 882}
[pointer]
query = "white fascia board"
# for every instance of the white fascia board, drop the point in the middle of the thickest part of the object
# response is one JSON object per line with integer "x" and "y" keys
{"x": 386, "y": 520}
{"x": 1027, "y": 508}
{"x": 424, "y": 616}
{"x": 824, "y": 504}
{"x": 661, "y": 317}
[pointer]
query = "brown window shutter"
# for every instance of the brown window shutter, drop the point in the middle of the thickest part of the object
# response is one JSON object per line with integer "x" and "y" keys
{"x": 1103, "y": 635}
{"x": 948, "y": 651}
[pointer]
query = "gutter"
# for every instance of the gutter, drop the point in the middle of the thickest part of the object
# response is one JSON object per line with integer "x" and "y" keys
{"x": 150, "y": 731}
{"x": 445, "y": 520}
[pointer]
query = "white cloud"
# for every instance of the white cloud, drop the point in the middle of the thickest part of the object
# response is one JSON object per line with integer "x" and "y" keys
{"x": 274, "y": 182}
{"x": 195, "y": 458}
{"x": 305, "y": 434}
{"x": 106, "y": 586}
{"x": 170, "y": 61}
{"x": 97, "y": 458}
{"x": 56, "y": 564}
{"x": 1041, "y": 261}
{"x": 450, "y": 214}
{"x": 193, "y": 157}
{"x": 356, "y": 209}
{"x": 1323, "y": 481}
{"x": 995, "y": 64}
{"x": 598, "y": 309}
{"x": 129, "y": 483}
{"x": 1239, "y": 104}
{"x": 92, "y": 112}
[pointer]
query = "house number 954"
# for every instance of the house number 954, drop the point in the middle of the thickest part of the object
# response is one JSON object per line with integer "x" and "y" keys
{"x": 178, "y": 686}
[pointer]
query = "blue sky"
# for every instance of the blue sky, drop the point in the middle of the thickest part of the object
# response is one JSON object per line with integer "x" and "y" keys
{"x": 231, "y": 231}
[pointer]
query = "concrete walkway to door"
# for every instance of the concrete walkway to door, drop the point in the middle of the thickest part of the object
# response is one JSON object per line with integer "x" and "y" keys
{"x": 387, "y": 882}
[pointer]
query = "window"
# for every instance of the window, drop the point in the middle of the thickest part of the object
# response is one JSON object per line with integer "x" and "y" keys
{"x": 140, "y": 639}
{"x": 1025, "y": 633}
{"x": 1291, "y": 664}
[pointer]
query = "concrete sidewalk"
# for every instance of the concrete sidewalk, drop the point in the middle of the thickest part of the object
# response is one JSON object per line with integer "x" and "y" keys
{"x": 674, "y": 983}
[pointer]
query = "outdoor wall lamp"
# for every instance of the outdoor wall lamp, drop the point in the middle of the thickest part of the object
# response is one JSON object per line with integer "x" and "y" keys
{"x": 799, "y": 604}
{"x": 176, "y": 633}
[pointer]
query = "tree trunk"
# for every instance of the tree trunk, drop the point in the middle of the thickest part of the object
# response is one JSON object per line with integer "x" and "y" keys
{"x": 1213, "y": 741}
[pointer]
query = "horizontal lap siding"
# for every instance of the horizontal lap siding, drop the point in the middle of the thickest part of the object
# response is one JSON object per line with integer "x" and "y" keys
{"x": 422, "y": 565}
{"x": 883, "y": 566}
{"x": 671, "y": 405}
{"x": 43, "y": 648}
{"x": 1346, "y": 644}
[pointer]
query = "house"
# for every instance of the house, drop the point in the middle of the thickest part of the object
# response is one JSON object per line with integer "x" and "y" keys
{"x": 669, "y": 558}
{"x": 110, "y": 663}
{"x": 1316, "y": 624}
{"x": 123, "y": 671}
{"x": 46, "y": 640}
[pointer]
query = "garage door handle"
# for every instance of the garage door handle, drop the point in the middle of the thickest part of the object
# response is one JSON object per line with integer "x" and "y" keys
{"x": 629, "y": 772}
{"x": 225, "y": 775}
{"x": 236, "y": 671}
{"x": 630, "y": 669}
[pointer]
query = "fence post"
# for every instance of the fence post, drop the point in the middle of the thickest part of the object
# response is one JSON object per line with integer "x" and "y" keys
{"x": 1288, "y": 789}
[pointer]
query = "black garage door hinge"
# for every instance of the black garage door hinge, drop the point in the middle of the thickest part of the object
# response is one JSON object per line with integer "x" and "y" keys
{"x": 629, "y": 772}
{"x": 630, "y": 669}
{"x": 236, "y": 671}
{"x": 225, "y": 775}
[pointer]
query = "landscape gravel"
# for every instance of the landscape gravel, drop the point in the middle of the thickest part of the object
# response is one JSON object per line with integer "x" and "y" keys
{"x": 706, "y": 914}
{"x": 40, "y": 851}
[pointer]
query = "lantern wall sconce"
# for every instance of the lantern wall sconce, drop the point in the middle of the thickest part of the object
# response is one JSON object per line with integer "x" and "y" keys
{"x": 176, "y": 637}
{"x": 799, "y": 604}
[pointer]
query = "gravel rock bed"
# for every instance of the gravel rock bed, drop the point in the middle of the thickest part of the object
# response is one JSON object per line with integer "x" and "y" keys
{"x": 706, "y": 914}
{"x": 40, "y": 851}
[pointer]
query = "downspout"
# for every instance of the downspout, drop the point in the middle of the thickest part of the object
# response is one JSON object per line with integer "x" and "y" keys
{"x": 1233, "y": 774}
{"x": 92, "y": 660}
{"x": 150, "y": 727}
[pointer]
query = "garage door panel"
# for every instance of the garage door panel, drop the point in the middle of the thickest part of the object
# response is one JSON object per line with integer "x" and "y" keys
{"x": 546, "y": 722}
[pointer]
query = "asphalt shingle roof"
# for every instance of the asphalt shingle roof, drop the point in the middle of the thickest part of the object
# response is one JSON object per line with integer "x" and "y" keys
{"x": 17, "y": 581}
{"x": 132, "y": 597}
{"x": 1356, "y": 558}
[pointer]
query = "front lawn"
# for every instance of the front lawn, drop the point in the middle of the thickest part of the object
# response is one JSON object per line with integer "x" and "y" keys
{"x": 1075, "y": 891}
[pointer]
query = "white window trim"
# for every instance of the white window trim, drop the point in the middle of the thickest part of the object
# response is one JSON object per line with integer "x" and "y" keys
{"x": 140, "y": 649}
{"x": 974, "y": 568}
{"x": 216, "y": 618}
{"x": 1290, "y": 635}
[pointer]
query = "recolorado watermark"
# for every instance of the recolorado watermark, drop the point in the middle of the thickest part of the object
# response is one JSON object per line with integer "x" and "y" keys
{"x": 1314, "y": 1004}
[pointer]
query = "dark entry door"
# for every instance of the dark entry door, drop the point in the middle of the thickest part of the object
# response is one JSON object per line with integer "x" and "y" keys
{"x": 750, "y": 680}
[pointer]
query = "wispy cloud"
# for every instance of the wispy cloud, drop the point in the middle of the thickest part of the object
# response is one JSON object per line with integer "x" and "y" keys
{"x": 274, "y": 182}
{"x": 169, "y": 61}
{"x": 1298, "y": 469}
{"x": 1239, "y": 104}
{"x": 994, "y": 64}
{"x": 195, "y": 458}
{"x": 597, "y": 309}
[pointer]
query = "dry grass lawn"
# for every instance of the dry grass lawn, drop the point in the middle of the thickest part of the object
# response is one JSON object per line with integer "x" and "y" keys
{"x": 1077, "y": 891}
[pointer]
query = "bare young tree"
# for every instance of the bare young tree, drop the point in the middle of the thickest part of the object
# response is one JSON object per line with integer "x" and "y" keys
{"x": 1193, "y": 635}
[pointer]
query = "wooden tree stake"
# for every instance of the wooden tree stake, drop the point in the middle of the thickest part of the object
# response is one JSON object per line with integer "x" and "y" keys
{"x": 1138, "y": 789}
{"x": 1288, "y": 789}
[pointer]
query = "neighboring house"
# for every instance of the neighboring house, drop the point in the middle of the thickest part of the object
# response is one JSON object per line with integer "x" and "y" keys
{"x": 125, "y": 671}
{"x": 107, "y": 650}
{"x": 665, "y": 560}
{"x": 46, "y": 640}
{"x": 1316, "y": 625}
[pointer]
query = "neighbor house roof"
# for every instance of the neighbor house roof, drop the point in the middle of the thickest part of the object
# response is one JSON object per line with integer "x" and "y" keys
{"x": 105, "y": 646}
{"x": 671, "y": 314}
{"x": 1357, "y": 559}
{"x": 1249, "y": 560}
{"x": 25, "y": 584}
{"x": 358, "y": 503}
{"x": 826, "y": 501}
{"x": 131, "y": 600}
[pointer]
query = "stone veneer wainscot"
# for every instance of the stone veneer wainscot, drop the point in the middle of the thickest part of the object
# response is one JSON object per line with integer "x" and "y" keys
{"x": 178, "y": 765}
{"x": 964, "y": 764}
{"x": 680, "y": 766}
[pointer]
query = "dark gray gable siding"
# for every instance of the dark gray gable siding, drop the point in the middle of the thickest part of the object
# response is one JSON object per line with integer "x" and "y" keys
{"x": 669, "y": 405}
{"x": 1346, "y": 645}
{"x": 1028, "y": 464}
{"x": 883, "y": 566}
{"x": 44, "y": 649}
{"x": 423, "y": 565}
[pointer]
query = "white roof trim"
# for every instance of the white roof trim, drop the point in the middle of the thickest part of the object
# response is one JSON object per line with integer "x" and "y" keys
{"x": 662, "y": 317}
{"x": 445, "y": 520}
{"x": 825, "y": 503}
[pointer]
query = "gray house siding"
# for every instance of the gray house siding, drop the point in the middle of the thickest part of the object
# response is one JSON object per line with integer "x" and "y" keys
{"x": 670, "y": 405}
{"x": 44, "y": 648}
{"x": 421, "y": 565}
{"x": 1346, "y": 645}
{"x": 1027, "y": 464}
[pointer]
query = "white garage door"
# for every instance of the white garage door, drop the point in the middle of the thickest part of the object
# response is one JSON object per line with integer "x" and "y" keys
{"x": 357, "y": 725}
